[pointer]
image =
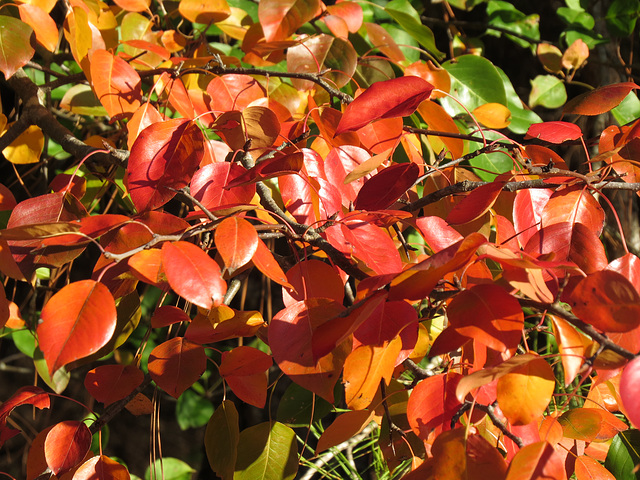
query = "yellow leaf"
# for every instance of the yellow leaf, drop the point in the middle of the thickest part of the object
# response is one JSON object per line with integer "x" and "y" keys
{"x": 27, "y": 148}
{"x": 493, "y": 115}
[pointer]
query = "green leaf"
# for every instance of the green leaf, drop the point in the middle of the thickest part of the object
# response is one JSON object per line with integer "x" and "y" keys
{"x": 621, "y": 17}
{"x": 267, "y": 451}
{"x": 547, "y": 91}
{"x": 221, "y": 439}
{"x": 15, "y": 46}
{"x": 193, "y": 410}
{"x": 505, "y": 15}
{"x": 628, "y": 110}
{"x": 297, "y": 405}
{"x": 521, "y": 117}
{"x": 624, "y": 455}
{"x": 490, "y": 165}
{"x": 474, "y": 82}
{"x": 169, "y": 468}
{"x": 24, "y": 341}
{"x": 407, "y": 17}
{"x": 576, "y": 17}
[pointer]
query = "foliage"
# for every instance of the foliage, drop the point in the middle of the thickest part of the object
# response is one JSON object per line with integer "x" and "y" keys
{"x": 331, "y": 214}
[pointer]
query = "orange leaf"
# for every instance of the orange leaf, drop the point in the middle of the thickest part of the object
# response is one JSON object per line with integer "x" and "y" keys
{"x": 574, "y": 206}
{"x": 237, "y": 241}
{"x": 493, "y": 115}
{"x": 76, "y": 321}
{"x": 177, "y": 364}
{"x": 116, "y": 83}
{"x": 476, "y": 204}
{"x": 398, "y": 97}
{"x": 600, "y": 100}
{"x": 343, "y": 428}
{"x": 524, "y": 393}
{"x": 193, "y": 274}
{"x": 538, "y": 461}
{"x": 110, "y": 383}
{"x": 432, "y": 404}
{"x": 243, "y": 360}
{"x": 43, "y": 25}
{"x": 204, "y": 11}
{"x": 313, "y": 278}
{"x": 364, "y": 368}
{"x": 101, "y": 467}
{"x": 146, "y": 266}
{"x": 264, "y": 261}
{"x": 281, "y": 18}
{"x": 588, "y": 468}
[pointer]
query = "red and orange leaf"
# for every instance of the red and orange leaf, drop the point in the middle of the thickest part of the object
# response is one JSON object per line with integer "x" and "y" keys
{"x": 350, "y": 12}
{"x": 574, "y": 206}
{"x": 163, "y": 158}
{"x": 251, "y": 389}
{"x": 438, "y": 119}
{"x": 281, "y": 18}
{"x": 629, "y": 267}
{"x": 488, "y": 314}
{"x": 146, "y": 266}
{"x": 43, "y": 25}
{"x": 210, "y": 185}
{"x": 222, "y": 323}
{"x": 398, "y": 97}
{"x": 608, "y": 301}
{"x": 437, "y": 233}
{"x": 101, "y": 467}
{"x": 177, "y": 364}
{"x": 233, "y": 92}
{"x": 290, "y": 343}
{"x": 600, "y": 100}
{"x": 432, "y": 404}
{"x": 116, "y": 84}
{"x": 554, "y": 132}
{"x": 476, "y": 204}
{"x": 527, "y": 212}
{"x": 343, "y": 428}
{"x": 364, "y": 368}
{"x": 110, "y": 383}
{"x": 144, "y": 116}
{"x": 237, "y": 241}
{"x": 76, "y": 322}
{"x": 384, "y": 188}
{"x": 243, "y": 361}
{"x": 537, "y": 461}
{"x": 271, "y": 168}
{"x": 524, "y": 393}
{"x": 193, "y": 274}
{"x": 66, "y": 445}
{"x": 313, "y": 279}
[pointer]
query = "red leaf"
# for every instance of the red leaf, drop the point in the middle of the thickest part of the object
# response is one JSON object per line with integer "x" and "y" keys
{"x": 437, "y": 233}
{"x": 629, "y": 267}
{"x": 313, "y": 279}
{"x": 110, "y": 383}
{"x": 243, "y": 360}
{"x": 163, "y": 158}
{"x": 168, "y": 315}
{"x": 488, "y": 314}
{"x": 210, "y": 185}
{"x": 398, "y": 97}
{"x": 384, "y": 188}
{"x": 432, "y": 404}
{"x": 101, "y": 467}
{"x": 554, "y": 132}
{"x": 600, "y": 100}
{"x": 177, "y": 364}
{"x": 573, "y": 242}
{"x": 309, "y": 199}
{"x": 476, "y": 204}
{"x": 116, "y": 84}
{"x": 271, "y": 168}
{"x": 24, "y": 396}
{"x": 76, "y": 322}
{"x": 290, "y": 343}
{"x": 281, "y": 18}
{"x": 236, "y": 240}
{"x": 350, "y": 12}
{"x": 630, "y": 391}
{"x": 66, "y": 445}
{"x": 608, "y": 301}
{"x": 527, "y": 212}
{"x": 193, "y": 274}
{"x": 233, "y": 92}
{"x": 339, "y": 163}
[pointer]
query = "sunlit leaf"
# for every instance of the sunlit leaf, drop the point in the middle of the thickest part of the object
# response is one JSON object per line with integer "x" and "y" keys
{"x": 281, "y": 18}
{"x": 116, "y": 83}
{"x": 101, "y": 467}
{"x": 200, "y": 11}
{"x": 15, "y": 48}
{"x": 343, "y": 428}
{"x": 267, "y": 451}
{"x": 66, "y": 445}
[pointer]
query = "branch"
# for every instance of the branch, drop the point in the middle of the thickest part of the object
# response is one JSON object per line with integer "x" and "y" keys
{"x": 557, "y": 309}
